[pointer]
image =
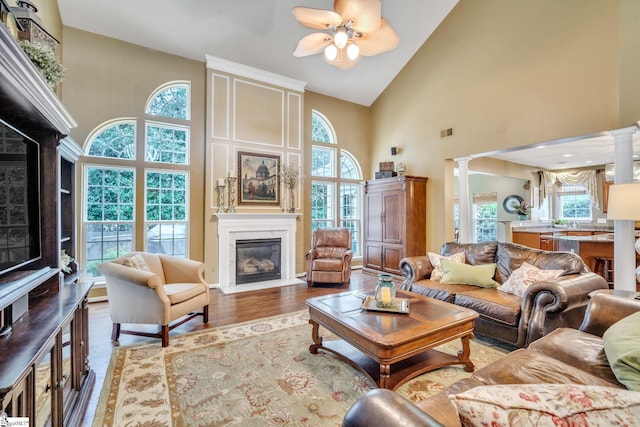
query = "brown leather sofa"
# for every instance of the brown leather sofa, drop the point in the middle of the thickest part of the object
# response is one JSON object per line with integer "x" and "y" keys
{"x": 516, "y": 320}
{"x": 565, "y": 356}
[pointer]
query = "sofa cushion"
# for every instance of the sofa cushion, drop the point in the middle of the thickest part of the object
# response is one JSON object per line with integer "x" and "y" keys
{"x": 579, "y": 349}
{"x": 491, "y": 304}
{"x": 474, "y": 253}
{"x": 525, "y": 366}
{"x": 550, "y": 404}
{"x": 510, "y": 256}
{"x": 179, "y": 292}
{"x": 327, "y": 264}
{"x": 136, "y": 261}
{"x": 434, "y": 259}
{"x": 465, "y": 274}
{"x": 526, "y": 275}
{"x": 330, "y": 252}
{"x": 438, "y": 290}
{"x": 622, "y": 347}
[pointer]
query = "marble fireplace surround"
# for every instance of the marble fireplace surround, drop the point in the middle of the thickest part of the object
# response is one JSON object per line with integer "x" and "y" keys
{"x": 244, "y": 226}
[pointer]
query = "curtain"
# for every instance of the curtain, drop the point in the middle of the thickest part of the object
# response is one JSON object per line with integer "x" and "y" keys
{"x": 586, "y": 178}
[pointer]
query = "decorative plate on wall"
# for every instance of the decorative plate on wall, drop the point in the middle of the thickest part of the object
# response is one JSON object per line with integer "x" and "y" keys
{"x": 511, "y": 201}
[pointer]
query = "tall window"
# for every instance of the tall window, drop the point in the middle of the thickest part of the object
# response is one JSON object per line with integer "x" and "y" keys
{"x": 575, "y": 203}
{"x": 335, "y": 188}
{"x": 110, "y": 217}
{"x": 485, "y": 217}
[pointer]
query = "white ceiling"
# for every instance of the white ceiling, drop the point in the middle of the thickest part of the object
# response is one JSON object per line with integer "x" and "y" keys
{"x": 259, "y": 33}
{"x": 570, "y": 153}
{"x": 263, "y": 34}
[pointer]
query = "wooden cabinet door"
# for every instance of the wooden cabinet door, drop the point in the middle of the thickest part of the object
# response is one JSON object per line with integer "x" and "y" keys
{"x": 373, "y": 217}
{"x": 373, "y": 255}
{"x": 393, "y": 217}
{"x": 391, "y": 256}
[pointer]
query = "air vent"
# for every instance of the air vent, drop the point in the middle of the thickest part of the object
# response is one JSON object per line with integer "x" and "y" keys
{"x": 446, "y": 133}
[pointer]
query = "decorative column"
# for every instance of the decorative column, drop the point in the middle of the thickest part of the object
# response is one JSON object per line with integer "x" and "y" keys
{"x": 624, "y": 253}
{"x": 464, "y": 229}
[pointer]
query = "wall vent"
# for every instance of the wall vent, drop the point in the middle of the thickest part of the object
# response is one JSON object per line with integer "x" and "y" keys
{"x": 446, "y": 132}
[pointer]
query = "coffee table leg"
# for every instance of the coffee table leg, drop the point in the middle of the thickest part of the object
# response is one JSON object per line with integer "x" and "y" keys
{"x": 315, "y": 336}
{"x": 465, "y": 353}
{"x": 385, "y": 376}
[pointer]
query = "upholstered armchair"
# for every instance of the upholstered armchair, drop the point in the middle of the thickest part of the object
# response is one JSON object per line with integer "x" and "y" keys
{"x": 156, "y": 289}
{"x": 329, "y": 259}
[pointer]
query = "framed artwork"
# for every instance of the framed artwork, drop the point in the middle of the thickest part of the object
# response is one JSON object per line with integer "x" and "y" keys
{"x": 258, "y": 179}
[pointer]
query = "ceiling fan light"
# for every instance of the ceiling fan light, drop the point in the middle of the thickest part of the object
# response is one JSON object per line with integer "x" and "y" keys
{"x": 340, "y": 38}
{"x": 331, "y": 52}
{"x": 353, "y": 51}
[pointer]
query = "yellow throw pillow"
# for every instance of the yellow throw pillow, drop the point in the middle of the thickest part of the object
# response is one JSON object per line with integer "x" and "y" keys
{"x": 465, "y": 274}
{"x": 622, "y": 347}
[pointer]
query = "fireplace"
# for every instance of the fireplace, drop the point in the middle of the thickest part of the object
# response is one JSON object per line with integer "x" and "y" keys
{"x": 236, "y": 228}
{"x": 257, "y": 260}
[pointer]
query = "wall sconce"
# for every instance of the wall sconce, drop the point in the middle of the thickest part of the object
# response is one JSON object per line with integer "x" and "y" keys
{"x": 395, "y": 150}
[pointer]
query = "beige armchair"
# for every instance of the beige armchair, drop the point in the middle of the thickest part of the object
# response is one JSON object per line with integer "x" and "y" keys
{"x": 329, "y": 259}
{"x": 157, "y": 289}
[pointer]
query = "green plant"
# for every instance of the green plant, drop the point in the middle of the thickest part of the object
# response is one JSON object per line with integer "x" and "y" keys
{"x": 45, "y": 61}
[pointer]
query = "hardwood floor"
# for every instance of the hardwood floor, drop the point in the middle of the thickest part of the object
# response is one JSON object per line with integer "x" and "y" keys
{"x": 223, "y": 310}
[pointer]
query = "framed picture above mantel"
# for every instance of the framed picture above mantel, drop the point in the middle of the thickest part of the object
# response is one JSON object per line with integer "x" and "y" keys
{"x": 258, "y": 179}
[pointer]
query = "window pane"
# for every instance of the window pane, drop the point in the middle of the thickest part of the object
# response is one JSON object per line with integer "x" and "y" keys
{"x": 348, "y": 166}
{"x": 322, "y": 162}
{"x": 322, "y": 214}
{"x": 165, "y": 196}
{"x": 321, "y": 130}
{"x": 109, "y": 194}
{"x": 167, "y": 144}
{"x": 171, "y": 102}
{"x": 575, "y": 206}
{"x": 115, "y": 141}
{"x": 105, "y": 242}
{"x": 167, "y": 238}
{"x": 486, "y": 221}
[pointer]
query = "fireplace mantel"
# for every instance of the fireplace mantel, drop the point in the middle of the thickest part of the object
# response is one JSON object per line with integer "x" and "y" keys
{"x": 243, "y": 226}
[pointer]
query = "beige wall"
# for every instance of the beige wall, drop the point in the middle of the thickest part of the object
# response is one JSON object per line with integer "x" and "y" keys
{"x": 501, "y": 73}
{"x": 108, "y": 79}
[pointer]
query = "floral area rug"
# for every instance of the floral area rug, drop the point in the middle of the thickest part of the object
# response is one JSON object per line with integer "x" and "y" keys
{"x": 254, "y": 373}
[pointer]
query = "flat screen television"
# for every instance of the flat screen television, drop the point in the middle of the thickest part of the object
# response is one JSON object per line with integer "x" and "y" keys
{"x": 19, "y": 199}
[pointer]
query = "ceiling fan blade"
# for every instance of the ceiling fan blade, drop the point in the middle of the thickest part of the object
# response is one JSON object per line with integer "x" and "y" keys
{"x": 365, "y": 14}
{"x": 378, "y": 41}
{"x": 311, "y": 44}
{"x": 316, "y": 18}
{"x": 342, "y": 61}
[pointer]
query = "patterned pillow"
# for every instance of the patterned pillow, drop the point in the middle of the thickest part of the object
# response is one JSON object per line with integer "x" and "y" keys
{"x": 136, "y": 261}
{"x": 526, "y": 275}
{"x": 547, "y": 405}
{"x": 434, "y": 259}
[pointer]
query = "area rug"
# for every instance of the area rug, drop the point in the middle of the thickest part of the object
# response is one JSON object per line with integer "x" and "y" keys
{"x": 254, "y": 373}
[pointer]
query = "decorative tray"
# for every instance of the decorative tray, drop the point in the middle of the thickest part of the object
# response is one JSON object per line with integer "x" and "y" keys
{"x": 401, "y": 306}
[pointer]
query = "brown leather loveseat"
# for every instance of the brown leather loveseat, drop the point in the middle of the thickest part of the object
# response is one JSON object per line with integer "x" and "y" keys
{"x": 517, "y": 320}
{"x": 566, "y": 356}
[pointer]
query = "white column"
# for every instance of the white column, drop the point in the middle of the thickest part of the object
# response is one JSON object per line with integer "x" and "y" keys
{"x": 623, "y": 244}
{"x": 464, "y": 230}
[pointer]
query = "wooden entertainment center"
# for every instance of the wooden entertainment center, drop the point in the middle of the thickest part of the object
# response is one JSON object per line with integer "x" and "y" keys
{"x": 44, "y": 361}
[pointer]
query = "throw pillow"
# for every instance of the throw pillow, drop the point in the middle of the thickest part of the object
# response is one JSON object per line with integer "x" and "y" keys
{"x": 434, "y": 259}
{"x": 622, "y": 347}
{"x": 526, "y": 275}
{"x": 547, "y": 404}
{"x": 136, "y": 261}
{"x": 455, "y": 273}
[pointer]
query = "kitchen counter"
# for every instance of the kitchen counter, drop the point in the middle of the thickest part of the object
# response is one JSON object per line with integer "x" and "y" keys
{"x": 594, "y": 238}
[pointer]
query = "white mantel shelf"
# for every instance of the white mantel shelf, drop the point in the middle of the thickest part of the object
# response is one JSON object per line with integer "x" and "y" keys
{"x": 243, "y": 226}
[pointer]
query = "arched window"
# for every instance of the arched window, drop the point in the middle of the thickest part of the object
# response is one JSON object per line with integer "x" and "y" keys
{"x": 116, "y": 139}
{"x": 335, "y": 188}
{"x": 110, "y": 217}
{"x": 171, "y": 100}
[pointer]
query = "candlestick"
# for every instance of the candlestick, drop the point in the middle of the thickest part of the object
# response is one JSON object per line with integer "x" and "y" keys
{"x": 231, "y": 180}
{"x": 220, "y": 190}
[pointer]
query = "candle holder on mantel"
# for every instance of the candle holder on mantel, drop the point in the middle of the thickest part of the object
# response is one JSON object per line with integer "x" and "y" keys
{"x": 220, "y": 191}
{"x": 231, "y": 183}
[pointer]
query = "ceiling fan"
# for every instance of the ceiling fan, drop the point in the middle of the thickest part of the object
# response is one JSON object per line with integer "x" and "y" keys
{"x": 355, "y": 28}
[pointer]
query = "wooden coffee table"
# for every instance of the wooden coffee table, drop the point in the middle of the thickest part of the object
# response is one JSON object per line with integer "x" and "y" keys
{"x": 391, "y": 348}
